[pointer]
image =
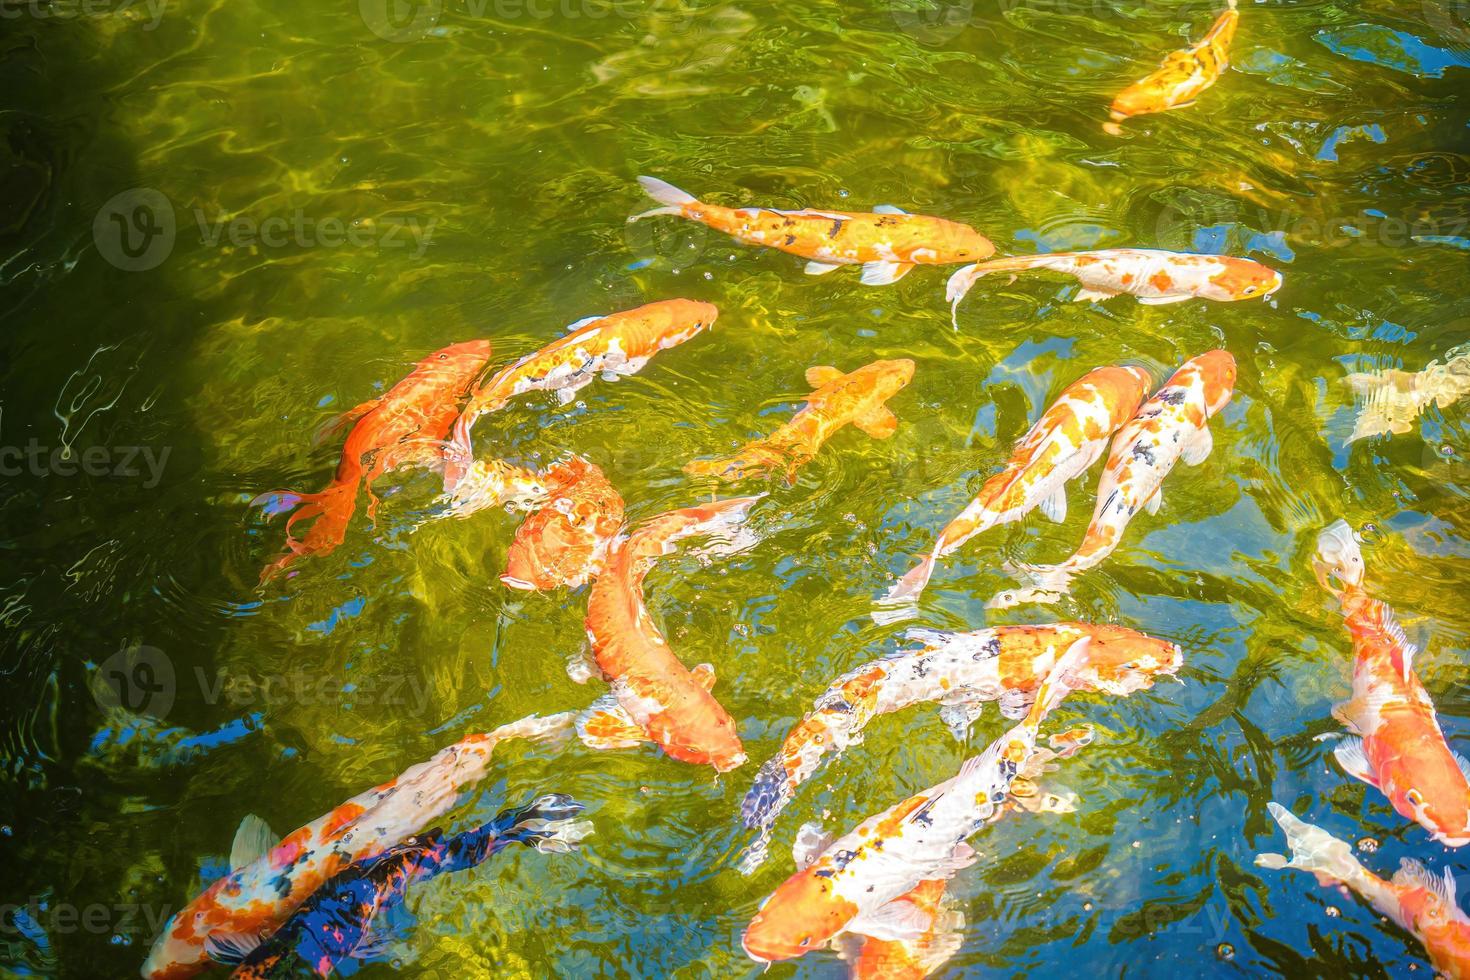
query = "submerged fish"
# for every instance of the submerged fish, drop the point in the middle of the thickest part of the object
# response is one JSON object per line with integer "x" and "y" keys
{"x": 1172, "y": 425}
{"x": 1182, "y": 76}
{"x": 1154, "y": 276}
{"x": 336, "y": 923}
{"x": 400, "y": 426}
{"x": 1067, "y": 439}
{"x": 887, "y": 243}
{"x": 612, "y": 346}
{"x": 491, "y": 483}
{"x": 1392, "y": 399}
{"x": 666, "y": 700}
{"x": 1417, "y": 900}
{"x": 960, "y": 672}
{"x": 856, "y": 884}
{"x": 1396, "y": 746}
{"x": 838, "y": 400}
{"x": 260, "y": 893}
{"x": 564, "y": 544}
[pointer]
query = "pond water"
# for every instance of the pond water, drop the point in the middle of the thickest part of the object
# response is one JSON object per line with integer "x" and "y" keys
{"x": 353, "y": 186}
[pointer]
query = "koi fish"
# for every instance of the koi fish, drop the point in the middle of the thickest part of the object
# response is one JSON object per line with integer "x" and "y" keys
{"x": 1154, "y": 276}
{"x": 1392, "y": 399}
{"x": 491, "y": 483}
{"x": 1172, "y": 425}
{"x": 612, "y": 346}
{"x": 386, "y": 432}
{"x": 1415, "y": 898}
{"x": 1180, "y": 78}
{"x": 672, "y": 706}
{"x": 887, "y": 243}
{"x": 564, "y": 544}
{"x": 336, "y": 923}
{"x": 1396, "y": 745}
{"x": 837, "y": 400}
{"x": 260, "y": 893}
{"x": 856, "y": 883}
{"x": 1063, "y": 444}
{"x": 960, "y": 672}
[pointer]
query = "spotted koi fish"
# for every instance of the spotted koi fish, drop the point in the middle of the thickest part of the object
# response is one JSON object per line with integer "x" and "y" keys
{"x": 259, "y": 895}
{"x": 612, "y": 346}
{"x": 667, "y": 701}
{"x": 1416, "y": 899}
{"x": 1063, "y": 444}
{"x": 1396, "y": 746}
{"x": 564, "y": 544}
{"x": 336, "y": 923}
{"x": 1154, "y": 276}
{"x": 960, "y": 672}
{"x": 1182, "y": 76}
{"x": 386, "y": 432}
{"x": 1172, "y": 425}
{"x": 838, "y": 400}
{"x": 491, "y": 483}
{"x": 887, "y": 243}
{"x": 855, "y": 884}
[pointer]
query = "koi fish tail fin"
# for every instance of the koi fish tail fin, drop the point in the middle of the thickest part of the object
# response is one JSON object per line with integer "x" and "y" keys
{"x": 274, "y": 503}
{"x": 960, "y": 282}
{"x": 548, "y": 824}
{"x": 1312, "y": 849}
{"x": 458, "y": 452}
{"x": 673, "y": 200}
{"x": 906, "y": 591}
{"x": 329, "y": 511}
{"x": 1338, "y": 556}
{"x": 722, "y": 519}
{"x": 1042, "y": 585}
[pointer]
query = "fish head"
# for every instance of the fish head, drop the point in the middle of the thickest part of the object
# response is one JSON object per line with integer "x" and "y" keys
{"x": 1121, "y": 661}
{"x": 1216, "y": 373}
{"x": 713, "y": 741}
{"x": 804, "y": 914}
{"x": 1242, "y": 279}
{"x": 687, "y": 317}
{"x": 1338, "y": 555}
{"x": 894, "y": 374}
{"x": 970, "y": 246}
{"x": 1138, "y": 99}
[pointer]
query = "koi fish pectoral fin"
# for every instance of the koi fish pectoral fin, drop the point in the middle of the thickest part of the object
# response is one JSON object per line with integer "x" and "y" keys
{"x": 232, "y": 948}
{"x": 1354, "y": 761}
{"x": 1054, "y": 507}
{"x": 815, "y": 268}
{"x": 822, "y": 374}
{"x": 959, "y": 717}
{"x": 884, "y": 273}
{"x": 1016, "y": 704}
{"x": 898, "y": 921}
{"x": 704, "y": 676}
{"x": 1163, "y": 300}
{"x": 1088, "y": 294}
{"x": 889, "y": 209}
{"x": 1198, "y": 448}
{"x": 880, "y": 423}
{"x": 1152, "y": 504}
{"x": 811, "y": 843}
{"x": 607, "y": 725}
{"x": 335, "y": 425}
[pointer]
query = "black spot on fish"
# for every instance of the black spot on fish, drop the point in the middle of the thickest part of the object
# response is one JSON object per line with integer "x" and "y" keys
{"x": 1172, "y": 396}
{"x": 825, "y": 873}
{"x": 790, "y": 239}
{"x": 887, "y": 220}
{"x": 843, "y": 858}
{"x": 997, "y": 797}
{"x": 1145, "y": 453}
{"x": 836, "y": 228}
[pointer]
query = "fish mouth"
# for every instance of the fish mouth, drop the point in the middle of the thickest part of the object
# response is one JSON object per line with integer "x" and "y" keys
{"x": 1276, "y": 284}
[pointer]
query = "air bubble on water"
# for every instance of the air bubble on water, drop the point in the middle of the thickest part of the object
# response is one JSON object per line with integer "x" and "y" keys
{"x": 1367, "y": 845}
{"x": 1447, "y": 450}
{"x": 842, "y": 192}
{"x": 1225, "y": 951}
{"x": 709, "y": 275}
{"x": 1333, "y": 911}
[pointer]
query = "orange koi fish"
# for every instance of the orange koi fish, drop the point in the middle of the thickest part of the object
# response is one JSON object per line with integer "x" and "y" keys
{"x": 1063, "y": 444}
{"x": 261, "y": 892}
{"x": 613, "y": 346}
{"x": 856, "y": 884}
{"x": 563, "y": 544}
{"x": 1415, "y": 898}
{"x": 1396, "y": 746}
{"x": 1182, "y": 76}
{"x": 887, "y": 243}
{"x": 388, "y": 431}
{"x": 960, "y": 672}
{"x": 672, "y": 706}
{"x": 1172, "y": 425}
{"x": 838, "y": 400}
{"x": 1154, "y": 276}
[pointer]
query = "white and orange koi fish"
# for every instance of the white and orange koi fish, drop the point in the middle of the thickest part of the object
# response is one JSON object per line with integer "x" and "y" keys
{"x": 1180, "y": 78}
{"x": 1154, "y": 276}
{"x": 1063, "y": 444}
{"x": 612, "y": 346}
{"x": 1416, "y": 899}
{"x": 857, "y": 398}
{"x": 856, "y": 884}
{"x": 1172, "y": 425}
{"x": 671, "y": 704}
{"x": 1396, "y": 746}
{"x": 564, "y": 543}
{"x": 960, "y": 672}
{"x": 267, "y": 883}
{"x": 887, "y": 243}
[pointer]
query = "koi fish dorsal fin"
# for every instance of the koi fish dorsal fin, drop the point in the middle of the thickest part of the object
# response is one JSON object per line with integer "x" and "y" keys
{"x": 811, "y": 843}
{"x": 1413, "y": 874}
{"x": 253, "y": 841}
{"x": 880, "y": 423}
{"x": 822, "y": 374}
{"x": 889, "y": 209}
{"x": 335, "y": 425}
{"x": 704, "y": 676}
{"x": 579, "y": 324}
